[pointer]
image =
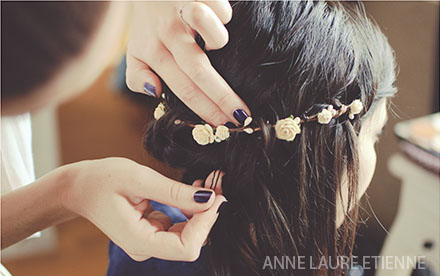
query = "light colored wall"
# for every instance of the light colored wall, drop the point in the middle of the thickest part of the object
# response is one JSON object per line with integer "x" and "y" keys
{"x": 412, "y": 30}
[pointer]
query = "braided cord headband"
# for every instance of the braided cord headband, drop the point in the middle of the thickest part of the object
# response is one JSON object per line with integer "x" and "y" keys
{"x": 285, "y": 129}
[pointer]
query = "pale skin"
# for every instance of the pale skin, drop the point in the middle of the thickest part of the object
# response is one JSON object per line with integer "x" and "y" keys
{"x": 178, "y": 59}
{"x": 114, "y": 193}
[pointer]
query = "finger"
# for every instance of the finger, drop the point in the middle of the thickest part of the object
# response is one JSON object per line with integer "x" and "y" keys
{"x": 212, "y": 182}
{"x": 197, "y": 183}
{"x": 222, "y": 9}
{"x": 140, "y": 78}
{"x": 185, "y": 246}
{"x": 159, "y": 221}
{"x": 197, "y": 229}
{"x": 142, "y": 206}
{"x": 124, "y": 226}
{"x": 177, "y": 227}
{"x": 170, "y": 192}
{"x": 133, "y": 234}
{"x": 139, "y": 258}
{"x": 188, "y": 92}
{"x": 196, "y": 65}
{"x": 203, "y": 20}
{"x": 148, "y": 210}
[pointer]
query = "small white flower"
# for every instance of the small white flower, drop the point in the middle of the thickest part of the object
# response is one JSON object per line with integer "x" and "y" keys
{"x": 221, "y": 133}
{"x": 248, "y": 121}
{"x": 286, "y": 129}
{"x": 326, "y": 115}
{"x": 332, "y": 110}
{"x": 203, "y": 134}
{"x": 355, "y": 108}
{"x": 159, "y": 111}
{"x": 248, "y": 130}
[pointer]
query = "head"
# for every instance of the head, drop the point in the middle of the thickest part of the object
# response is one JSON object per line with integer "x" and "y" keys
{"x": 294, "y": 198}
{"x": 53, "y": 50}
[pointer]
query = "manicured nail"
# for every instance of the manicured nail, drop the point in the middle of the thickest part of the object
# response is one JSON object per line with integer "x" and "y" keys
{"x": 202, "y": 196}
{"x": 150, "y": 89}
{"x": 230, "y": 125}
{"x": 222, "y": 205}
{"x": 240, "y": 115}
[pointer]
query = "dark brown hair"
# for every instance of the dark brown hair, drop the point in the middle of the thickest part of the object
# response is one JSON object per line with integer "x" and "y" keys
{"x": 39, "y": 37}
{"x": 283, "y": 58}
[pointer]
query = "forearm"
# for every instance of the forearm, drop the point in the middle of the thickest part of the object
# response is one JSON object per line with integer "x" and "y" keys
{"x": 34, "y": 207}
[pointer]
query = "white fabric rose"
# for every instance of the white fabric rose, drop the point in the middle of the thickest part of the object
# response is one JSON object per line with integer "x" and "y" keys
{"x": 355, "y": 108}
{"x": 288, "y": 128}
{"x": 159, "y": 111}
{"x": 203, "y": 134}
{"x": 221, "y": 133}
{"x": 325, "y": 116}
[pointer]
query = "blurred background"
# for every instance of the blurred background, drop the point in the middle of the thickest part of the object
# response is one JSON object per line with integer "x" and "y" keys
{"x": 108, "y": 120}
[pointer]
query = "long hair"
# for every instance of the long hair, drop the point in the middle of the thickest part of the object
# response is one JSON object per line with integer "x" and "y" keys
{"x": 284, "y": 58}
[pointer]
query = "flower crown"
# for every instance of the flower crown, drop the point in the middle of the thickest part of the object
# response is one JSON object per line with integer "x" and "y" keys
{"x": 285, "y": 129}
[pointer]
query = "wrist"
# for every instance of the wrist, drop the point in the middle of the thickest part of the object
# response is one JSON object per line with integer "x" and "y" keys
{"x": 64, "y": 189}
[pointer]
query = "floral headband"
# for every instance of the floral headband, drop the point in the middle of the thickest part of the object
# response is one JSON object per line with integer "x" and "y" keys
{"x": 285, "y": 129}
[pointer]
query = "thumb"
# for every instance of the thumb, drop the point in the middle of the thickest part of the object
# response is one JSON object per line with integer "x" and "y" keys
{"x": 173, "y": 193}
{"x": 213, "y": 182}
{"x": 197, "y": 229}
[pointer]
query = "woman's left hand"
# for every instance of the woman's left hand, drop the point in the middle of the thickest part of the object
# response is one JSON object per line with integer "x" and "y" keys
{"x": 114, "y": 194}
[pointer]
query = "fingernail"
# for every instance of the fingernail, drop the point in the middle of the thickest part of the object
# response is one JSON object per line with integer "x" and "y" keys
{"x": 150, "y": 89}
{"x": 222, "y": 205}
{"x": 202, "y": 196}
{"x": 240, "y": 115}
{"x": 230, "y": 125}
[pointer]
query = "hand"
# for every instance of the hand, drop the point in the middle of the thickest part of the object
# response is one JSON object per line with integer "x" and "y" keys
{"x": 213, "y": 182}
{"x": 163, "y": 41}
{"x": 114, "y": 194}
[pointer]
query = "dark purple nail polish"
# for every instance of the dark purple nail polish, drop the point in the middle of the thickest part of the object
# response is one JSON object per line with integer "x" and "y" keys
{"x": 150, "y": 89}
{"x": 240, "y": 115}
{"x": 230, "y": 125}
{"x": 221, "y": 206}
{"x": 202, "y": 196}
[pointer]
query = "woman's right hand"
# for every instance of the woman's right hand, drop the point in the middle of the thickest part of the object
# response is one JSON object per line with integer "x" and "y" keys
{"x": 162, "y": 41}
{"x": 114, "y": 194}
